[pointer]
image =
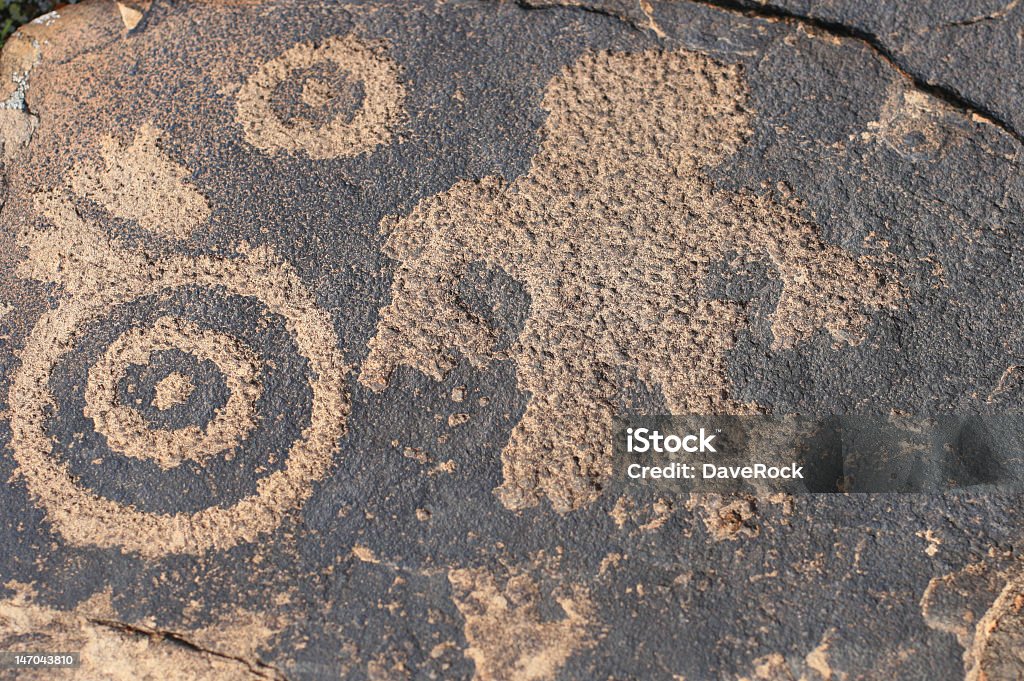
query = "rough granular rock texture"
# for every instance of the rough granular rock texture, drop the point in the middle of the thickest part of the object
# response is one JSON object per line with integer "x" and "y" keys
{"x": 612, "y": 232}
{"x": 315, "y": 318}
{"x": 508, "y": 634}
{"x": 109, "y": 649}
{"x": 139, "y": 183}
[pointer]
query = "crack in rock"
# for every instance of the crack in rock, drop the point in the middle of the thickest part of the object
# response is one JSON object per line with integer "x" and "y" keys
{"x": 997, "y": 15}
{"x": 946, "y": 93}
{"x": 258, "y": 668}
{"x": 638, "y": 15}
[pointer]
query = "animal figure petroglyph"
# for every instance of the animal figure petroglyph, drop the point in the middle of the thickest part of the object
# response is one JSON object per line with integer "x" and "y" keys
{"x": 613, "y": 232}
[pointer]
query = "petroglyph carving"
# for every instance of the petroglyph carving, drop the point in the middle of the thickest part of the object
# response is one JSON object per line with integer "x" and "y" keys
{"x": 508, "y": 637}
{"x": 983, "y": 606}
{"x": 140, "y": 182}
{"x": 120, "y": 651}
{"x": 126, "y": 430}
{"x": 358, "y": 62}
{"x": 97, "y": 273}
{"x": 171, "y": 390}
{"x": 613, "y": 232}
{"x": 997, "y": 650}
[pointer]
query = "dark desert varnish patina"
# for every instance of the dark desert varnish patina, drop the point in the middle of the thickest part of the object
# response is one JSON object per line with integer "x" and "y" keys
{"x": 315, "y": 318}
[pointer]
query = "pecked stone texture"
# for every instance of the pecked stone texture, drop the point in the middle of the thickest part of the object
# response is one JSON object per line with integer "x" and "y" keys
{"x": 314, "y": 318}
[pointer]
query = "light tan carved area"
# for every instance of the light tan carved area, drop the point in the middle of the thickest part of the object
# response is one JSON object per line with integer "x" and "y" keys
{"x": 508, "y": 636}
{"x": 728, "y": 517}
{"x": 997, "y": 651}
{"x": 16, "y": 130}
{"x": 94, "y": 272}
{"x": 377, "y": 118}
{"x": 116, "y": 651}
{"x": 127, "y": 431}
{"x": 141, "y": 182}
{"x": 173, "y": 389}
{"x": 911, "y": 123}
{"x": 613, "y": 233}
{"x": 983, "y": 606}
{"x": 775, "y": 667}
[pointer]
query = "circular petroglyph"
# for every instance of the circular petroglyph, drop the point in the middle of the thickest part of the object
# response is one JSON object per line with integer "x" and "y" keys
{"x": 85, "y": 517}
{"x": 377, "y": 113}
{"x": 127, "y": 431}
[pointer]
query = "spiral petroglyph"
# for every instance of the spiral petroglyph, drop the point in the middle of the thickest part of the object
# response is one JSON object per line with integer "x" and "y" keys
{"x": 103, "y": 284}
{"x": 615, "y": 233}
{"x": 332, "y": 121}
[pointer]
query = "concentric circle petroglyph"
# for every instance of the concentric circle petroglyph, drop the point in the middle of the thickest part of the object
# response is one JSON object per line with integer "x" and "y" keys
{"x": 83, "y": 517}
{"x": 126, "y": 429}
{"x": 374, "y": 122}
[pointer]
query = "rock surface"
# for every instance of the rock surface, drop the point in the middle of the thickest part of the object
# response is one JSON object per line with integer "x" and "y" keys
{"x": 314, "y": 318}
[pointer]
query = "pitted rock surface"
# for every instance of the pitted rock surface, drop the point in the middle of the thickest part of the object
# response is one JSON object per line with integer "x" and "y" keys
{"x": 315, "y": 316}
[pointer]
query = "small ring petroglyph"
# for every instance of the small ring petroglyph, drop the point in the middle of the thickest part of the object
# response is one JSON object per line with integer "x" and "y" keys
{"x": 374, "y": 122}
{"x": 126, "y": 429}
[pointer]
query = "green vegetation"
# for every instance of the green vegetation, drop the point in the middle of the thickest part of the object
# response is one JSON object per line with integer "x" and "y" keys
{"x": 14, "y": 13}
